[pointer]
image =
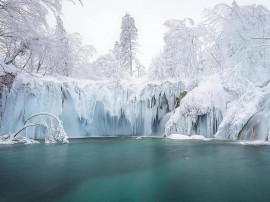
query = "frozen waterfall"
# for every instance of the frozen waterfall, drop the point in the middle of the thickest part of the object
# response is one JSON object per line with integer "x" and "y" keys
{"x": 218, "y": 106}
{"x": 89, "y": 108}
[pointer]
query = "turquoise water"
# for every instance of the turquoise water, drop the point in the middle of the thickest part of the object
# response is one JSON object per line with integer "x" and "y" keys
{"x": 135, "y": 170}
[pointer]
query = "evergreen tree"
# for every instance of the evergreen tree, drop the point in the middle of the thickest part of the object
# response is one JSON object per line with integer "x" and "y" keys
{"x": 128, "y": 37}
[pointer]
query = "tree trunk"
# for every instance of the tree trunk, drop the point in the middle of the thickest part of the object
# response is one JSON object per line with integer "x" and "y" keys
{"x": 10, "y": 60}
{"x": 131, "y": 56}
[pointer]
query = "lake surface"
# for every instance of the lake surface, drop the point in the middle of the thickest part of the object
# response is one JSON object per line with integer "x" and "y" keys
{"x": 135, "y": 170}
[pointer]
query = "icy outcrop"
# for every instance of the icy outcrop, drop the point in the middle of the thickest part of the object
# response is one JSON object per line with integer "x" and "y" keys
{"x": 89, "y": 108}
{"x": 201, "y": 111}
{"x": 224, "y": 106}
{"x": 9, "y": 139}
{"x": 239, "y": 112}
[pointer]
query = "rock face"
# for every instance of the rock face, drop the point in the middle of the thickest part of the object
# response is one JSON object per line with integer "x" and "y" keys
{"x": 6, "y": 81}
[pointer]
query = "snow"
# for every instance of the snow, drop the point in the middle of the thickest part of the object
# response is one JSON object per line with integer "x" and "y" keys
{"x": 185, "y": 137}
{"x": 10, "y": 139}
{"x": 254, "y": 143}
{"x": 55, "y": 129}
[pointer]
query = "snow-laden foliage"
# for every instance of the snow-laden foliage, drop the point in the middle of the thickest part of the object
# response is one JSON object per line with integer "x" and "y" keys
{"x": 120, "y": 63}
{"x": 180, "y": 56}
{"x": 27, "y": 41}
{"x": 239, "y": 35}
{"x": 55, "y": 129}
{"x": 232, "y": 36}
{"x": 128, "y": 39}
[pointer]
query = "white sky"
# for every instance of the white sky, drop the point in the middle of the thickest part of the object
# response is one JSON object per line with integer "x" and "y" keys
{"x": 99, "y": 21}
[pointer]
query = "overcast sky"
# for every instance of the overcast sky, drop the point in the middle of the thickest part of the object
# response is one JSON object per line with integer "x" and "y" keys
{"x": 99, "y": 21}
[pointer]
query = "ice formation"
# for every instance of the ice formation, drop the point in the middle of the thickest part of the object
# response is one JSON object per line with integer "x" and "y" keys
{"x": 89, "y": 108}
{"x": 55, "y": 129}
{"x": 224, "y": 106}
{"x": 201, "y": 111}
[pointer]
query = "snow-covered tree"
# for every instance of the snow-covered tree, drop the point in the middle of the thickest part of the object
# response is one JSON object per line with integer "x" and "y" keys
{"x": 28, "y": 43}
{"x": 68, "y": 51}
{"x": 139, "y": 69}
{"x": 105, "y": 67}
{"x": 238, "y": 38}
{"x": 181, "y": 54}
{"x": 128, "y": 37}
{"x": 121, "y": 62}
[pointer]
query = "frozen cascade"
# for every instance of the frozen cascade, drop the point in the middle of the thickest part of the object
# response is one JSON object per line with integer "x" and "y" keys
{"x": 257, "y": 128}
{"x": 219, "y": 106}
{"x": 201, "y": 111}
{"x": 89, "y": 108}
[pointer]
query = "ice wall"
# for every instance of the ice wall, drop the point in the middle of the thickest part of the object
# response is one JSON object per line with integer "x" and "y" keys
{"x": 90, "y": 108}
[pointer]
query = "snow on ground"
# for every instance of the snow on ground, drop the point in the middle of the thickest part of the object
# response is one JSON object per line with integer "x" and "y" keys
{"x": 6, "y": 139}
{"x": 254, "y": 143}
{"x": 185, "y": 137}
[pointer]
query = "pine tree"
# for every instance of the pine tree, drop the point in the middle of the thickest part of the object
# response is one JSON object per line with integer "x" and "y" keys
{"x": 128, "y": 39}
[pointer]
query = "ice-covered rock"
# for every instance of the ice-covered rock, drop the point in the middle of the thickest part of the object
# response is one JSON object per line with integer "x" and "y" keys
{"x": 201, "y": 110}
{"x": 224, "y": 106}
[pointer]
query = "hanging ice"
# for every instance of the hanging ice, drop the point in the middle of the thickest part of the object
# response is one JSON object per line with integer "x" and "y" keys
{"x": 89, "y": 108}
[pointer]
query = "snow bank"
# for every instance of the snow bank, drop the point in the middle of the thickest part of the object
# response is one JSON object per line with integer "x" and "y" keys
{"x": 185, "y": 137}
{"x": 254, "y": 143}
{"x": 8, "y": 139}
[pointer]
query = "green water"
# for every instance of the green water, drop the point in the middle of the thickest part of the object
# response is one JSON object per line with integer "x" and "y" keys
{"x": 135, "y": 170}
